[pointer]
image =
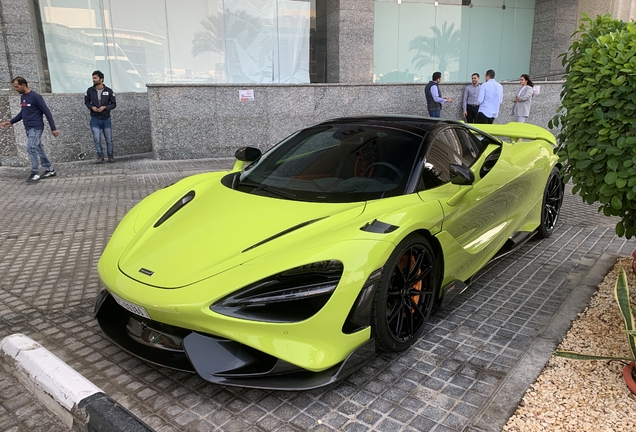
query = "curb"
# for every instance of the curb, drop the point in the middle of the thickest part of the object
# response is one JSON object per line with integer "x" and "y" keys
{"x": 505, "y": 399}
{"x": 80, "y": 404}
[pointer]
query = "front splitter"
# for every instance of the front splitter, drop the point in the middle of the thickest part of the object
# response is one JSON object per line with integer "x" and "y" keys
{"x": 219, "y": 361}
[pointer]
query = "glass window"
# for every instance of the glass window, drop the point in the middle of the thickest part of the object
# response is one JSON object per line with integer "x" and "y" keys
{"x": 447, "y": 147}
{"x": 415, "y": 38}
{"x": 470, "y": 146}
{"x": 137, "y": 48}
{"x": 135, "y": 42}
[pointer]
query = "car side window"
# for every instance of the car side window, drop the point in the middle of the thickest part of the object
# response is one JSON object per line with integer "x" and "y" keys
{"x": 471, "y": 146}
{"x": 437, "y": 162}
{"x": 462, "y": 148}
{"x": 481, "y": 140}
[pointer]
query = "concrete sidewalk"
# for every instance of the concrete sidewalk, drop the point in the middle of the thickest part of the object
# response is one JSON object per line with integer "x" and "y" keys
{"x": 467, "y": 372}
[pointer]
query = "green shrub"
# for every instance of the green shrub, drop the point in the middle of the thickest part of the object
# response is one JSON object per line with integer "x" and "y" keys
{"x": 598, "y": 118}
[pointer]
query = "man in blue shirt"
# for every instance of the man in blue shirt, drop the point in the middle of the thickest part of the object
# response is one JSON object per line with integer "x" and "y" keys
{"x": 434, "y": 99}
{"x": 33, "y": 107}
{"x": 470, "y": 102}
{"x": 490, "y": 97}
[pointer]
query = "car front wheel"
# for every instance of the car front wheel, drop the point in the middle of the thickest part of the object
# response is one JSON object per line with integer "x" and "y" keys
{"x": 405, "y": 294}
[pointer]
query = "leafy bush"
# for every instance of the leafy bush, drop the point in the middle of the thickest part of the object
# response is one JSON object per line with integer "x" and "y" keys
{"x": 598, "y": 118}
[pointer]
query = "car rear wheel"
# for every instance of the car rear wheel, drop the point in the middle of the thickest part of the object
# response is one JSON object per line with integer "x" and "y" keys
{"x": 405, "y": 294}
{"x": 552, "y": 201}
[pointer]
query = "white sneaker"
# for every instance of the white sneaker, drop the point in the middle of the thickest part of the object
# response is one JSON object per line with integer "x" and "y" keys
{"x": 33, "y": 178}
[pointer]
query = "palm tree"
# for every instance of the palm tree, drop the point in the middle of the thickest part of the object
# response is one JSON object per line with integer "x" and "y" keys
{"x": 443, "y": 48}
{"x": 239, "y": 26}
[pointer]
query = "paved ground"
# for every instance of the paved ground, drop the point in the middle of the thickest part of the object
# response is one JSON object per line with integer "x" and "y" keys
{"x": 464, "y": 373}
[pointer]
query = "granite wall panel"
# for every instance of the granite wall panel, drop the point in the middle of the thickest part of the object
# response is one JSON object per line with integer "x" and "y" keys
{"x": 279, "y": 110}
{"x": 16, "y": 11}
{"x": 131, "y": 129}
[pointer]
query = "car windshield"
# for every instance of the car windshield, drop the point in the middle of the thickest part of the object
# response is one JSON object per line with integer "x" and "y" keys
{"x": 335, "y": 163}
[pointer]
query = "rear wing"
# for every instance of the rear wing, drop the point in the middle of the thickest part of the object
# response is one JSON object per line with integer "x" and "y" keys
{"x": 515, "y": 131}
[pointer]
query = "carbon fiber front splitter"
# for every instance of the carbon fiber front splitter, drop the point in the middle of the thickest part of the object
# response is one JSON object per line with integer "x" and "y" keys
{"x": 219, "y": 361}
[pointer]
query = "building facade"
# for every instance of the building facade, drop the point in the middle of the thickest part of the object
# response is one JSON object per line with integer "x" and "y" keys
{"x": 290, "y": 51}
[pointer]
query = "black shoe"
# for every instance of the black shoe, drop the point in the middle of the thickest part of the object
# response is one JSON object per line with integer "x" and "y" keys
{"x": 48, "y": 174}
{"x": 99, "y": 160}
{"x": 33, "y": 178}
{"x": 111, "y": 159}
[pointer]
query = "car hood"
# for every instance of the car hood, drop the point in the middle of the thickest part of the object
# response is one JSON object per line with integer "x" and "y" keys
{"x": 220, "y": 228}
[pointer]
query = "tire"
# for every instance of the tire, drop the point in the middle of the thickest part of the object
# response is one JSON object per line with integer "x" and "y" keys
{"x": 551, "y": 206}
{"x": 405, "y": 294}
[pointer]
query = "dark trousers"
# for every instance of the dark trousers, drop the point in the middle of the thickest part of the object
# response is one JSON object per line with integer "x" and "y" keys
{"x": 435, "y": 113}
{"x": 471, "y": 113}
{"x": 481, "y": 118}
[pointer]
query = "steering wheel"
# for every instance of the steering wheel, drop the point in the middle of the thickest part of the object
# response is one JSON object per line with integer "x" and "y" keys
{"x": 392, "y": 167}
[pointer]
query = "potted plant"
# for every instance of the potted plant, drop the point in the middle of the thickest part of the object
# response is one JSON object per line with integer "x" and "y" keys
{"x": 621, "y": 292}
{"x": 596, "y": 118}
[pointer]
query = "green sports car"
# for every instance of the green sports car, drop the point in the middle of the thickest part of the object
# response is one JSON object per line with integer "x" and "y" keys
{"x": 290, "y": 270}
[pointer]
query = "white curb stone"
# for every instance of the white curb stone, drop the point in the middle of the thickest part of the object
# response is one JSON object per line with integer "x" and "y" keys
{"x": 73, "y": 398}
{"x": 51, "y": 380}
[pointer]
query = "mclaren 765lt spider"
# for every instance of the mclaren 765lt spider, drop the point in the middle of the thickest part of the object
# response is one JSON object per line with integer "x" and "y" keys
{"x": 290, "y": 270}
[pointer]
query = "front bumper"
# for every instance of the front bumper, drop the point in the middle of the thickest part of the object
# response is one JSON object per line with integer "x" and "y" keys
{"x": 217, "y": 360}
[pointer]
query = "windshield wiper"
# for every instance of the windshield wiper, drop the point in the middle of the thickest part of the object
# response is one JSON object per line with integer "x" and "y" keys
{"x": 279, "y": 192}
{"x": 266, "y": 188}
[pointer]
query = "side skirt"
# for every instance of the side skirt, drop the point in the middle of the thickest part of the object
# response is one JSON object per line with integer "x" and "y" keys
{"x": 456, "y": 287}
{"x": 517, "y": 240}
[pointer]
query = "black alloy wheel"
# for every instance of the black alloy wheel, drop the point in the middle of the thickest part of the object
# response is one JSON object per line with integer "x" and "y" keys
{"x": 405, "y": 294}
{"x": 552, "y": 201}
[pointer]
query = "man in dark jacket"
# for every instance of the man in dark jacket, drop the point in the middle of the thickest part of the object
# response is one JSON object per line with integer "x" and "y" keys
{"x": 100, "y": 100}
{"x": 32, "y": 108}
{"x": 434, "y": 99}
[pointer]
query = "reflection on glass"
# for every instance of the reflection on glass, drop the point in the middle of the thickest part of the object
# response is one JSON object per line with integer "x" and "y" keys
{"x": 136, "y": 48}
{"x": 415, "y": 38}
{"x": 442, "y": 49}
{"x": 135, "y": 42}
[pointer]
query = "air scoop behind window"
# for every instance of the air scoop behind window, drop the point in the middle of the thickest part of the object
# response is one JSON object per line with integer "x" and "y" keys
{"x": 175, "y": 208}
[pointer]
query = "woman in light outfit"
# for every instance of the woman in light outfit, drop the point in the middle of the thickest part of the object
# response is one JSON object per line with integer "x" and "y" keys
{"x": 521, "y": 108}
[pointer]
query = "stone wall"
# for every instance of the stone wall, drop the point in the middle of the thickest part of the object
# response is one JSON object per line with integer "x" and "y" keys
{"x": 131, "y": 128}
{"x": 202, "y": 121}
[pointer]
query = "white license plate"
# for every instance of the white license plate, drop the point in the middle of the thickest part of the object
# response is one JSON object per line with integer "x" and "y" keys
{"x": 131, "y": 307}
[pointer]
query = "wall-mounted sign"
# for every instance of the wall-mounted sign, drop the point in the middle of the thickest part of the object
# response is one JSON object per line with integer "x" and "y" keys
{"x": 246, "y": 95}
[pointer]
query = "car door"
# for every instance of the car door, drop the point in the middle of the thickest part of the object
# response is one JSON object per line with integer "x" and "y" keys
{"x": 475, "y": 216}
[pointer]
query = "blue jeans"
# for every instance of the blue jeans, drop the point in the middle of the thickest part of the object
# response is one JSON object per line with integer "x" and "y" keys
{"x": 97, "y": 126}
{"x": 35, "y": 149}
{"x": 436, "y": 113}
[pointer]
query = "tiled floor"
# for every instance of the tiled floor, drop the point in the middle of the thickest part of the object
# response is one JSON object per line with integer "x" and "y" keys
{"x": 53, "y": 232}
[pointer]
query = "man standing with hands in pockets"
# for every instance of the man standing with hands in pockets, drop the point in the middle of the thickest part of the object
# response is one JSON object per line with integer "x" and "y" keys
{"x": 100, "y": 100}
{"x": 32, "y": 108}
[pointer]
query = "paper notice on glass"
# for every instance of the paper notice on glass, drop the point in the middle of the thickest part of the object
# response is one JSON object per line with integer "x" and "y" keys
{"x": 536, "y": 90}
{"x": 246, "y": 95}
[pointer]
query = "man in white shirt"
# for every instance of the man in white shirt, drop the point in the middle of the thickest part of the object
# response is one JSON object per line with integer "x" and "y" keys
{"x": 490, "y": 98}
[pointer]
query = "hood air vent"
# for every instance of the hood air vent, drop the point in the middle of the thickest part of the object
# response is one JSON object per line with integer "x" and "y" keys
{"x": 175, "y": 208}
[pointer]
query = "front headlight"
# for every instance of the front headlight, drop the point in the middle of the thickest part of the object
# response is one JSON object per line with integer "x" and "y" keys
{"x": 290, "y": 296}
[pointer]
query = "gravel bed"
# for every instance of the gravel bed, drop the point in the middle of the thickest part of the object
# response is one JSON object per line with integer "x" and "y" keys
{"x": 571, "y": 395}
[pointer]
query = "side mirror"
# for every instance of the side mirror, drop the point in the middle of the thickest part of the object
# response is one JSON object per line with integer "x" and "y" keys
{"x": 247, "y": 154}
{"x": 244, "y": 155}
{"x": 460, "y": 175}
